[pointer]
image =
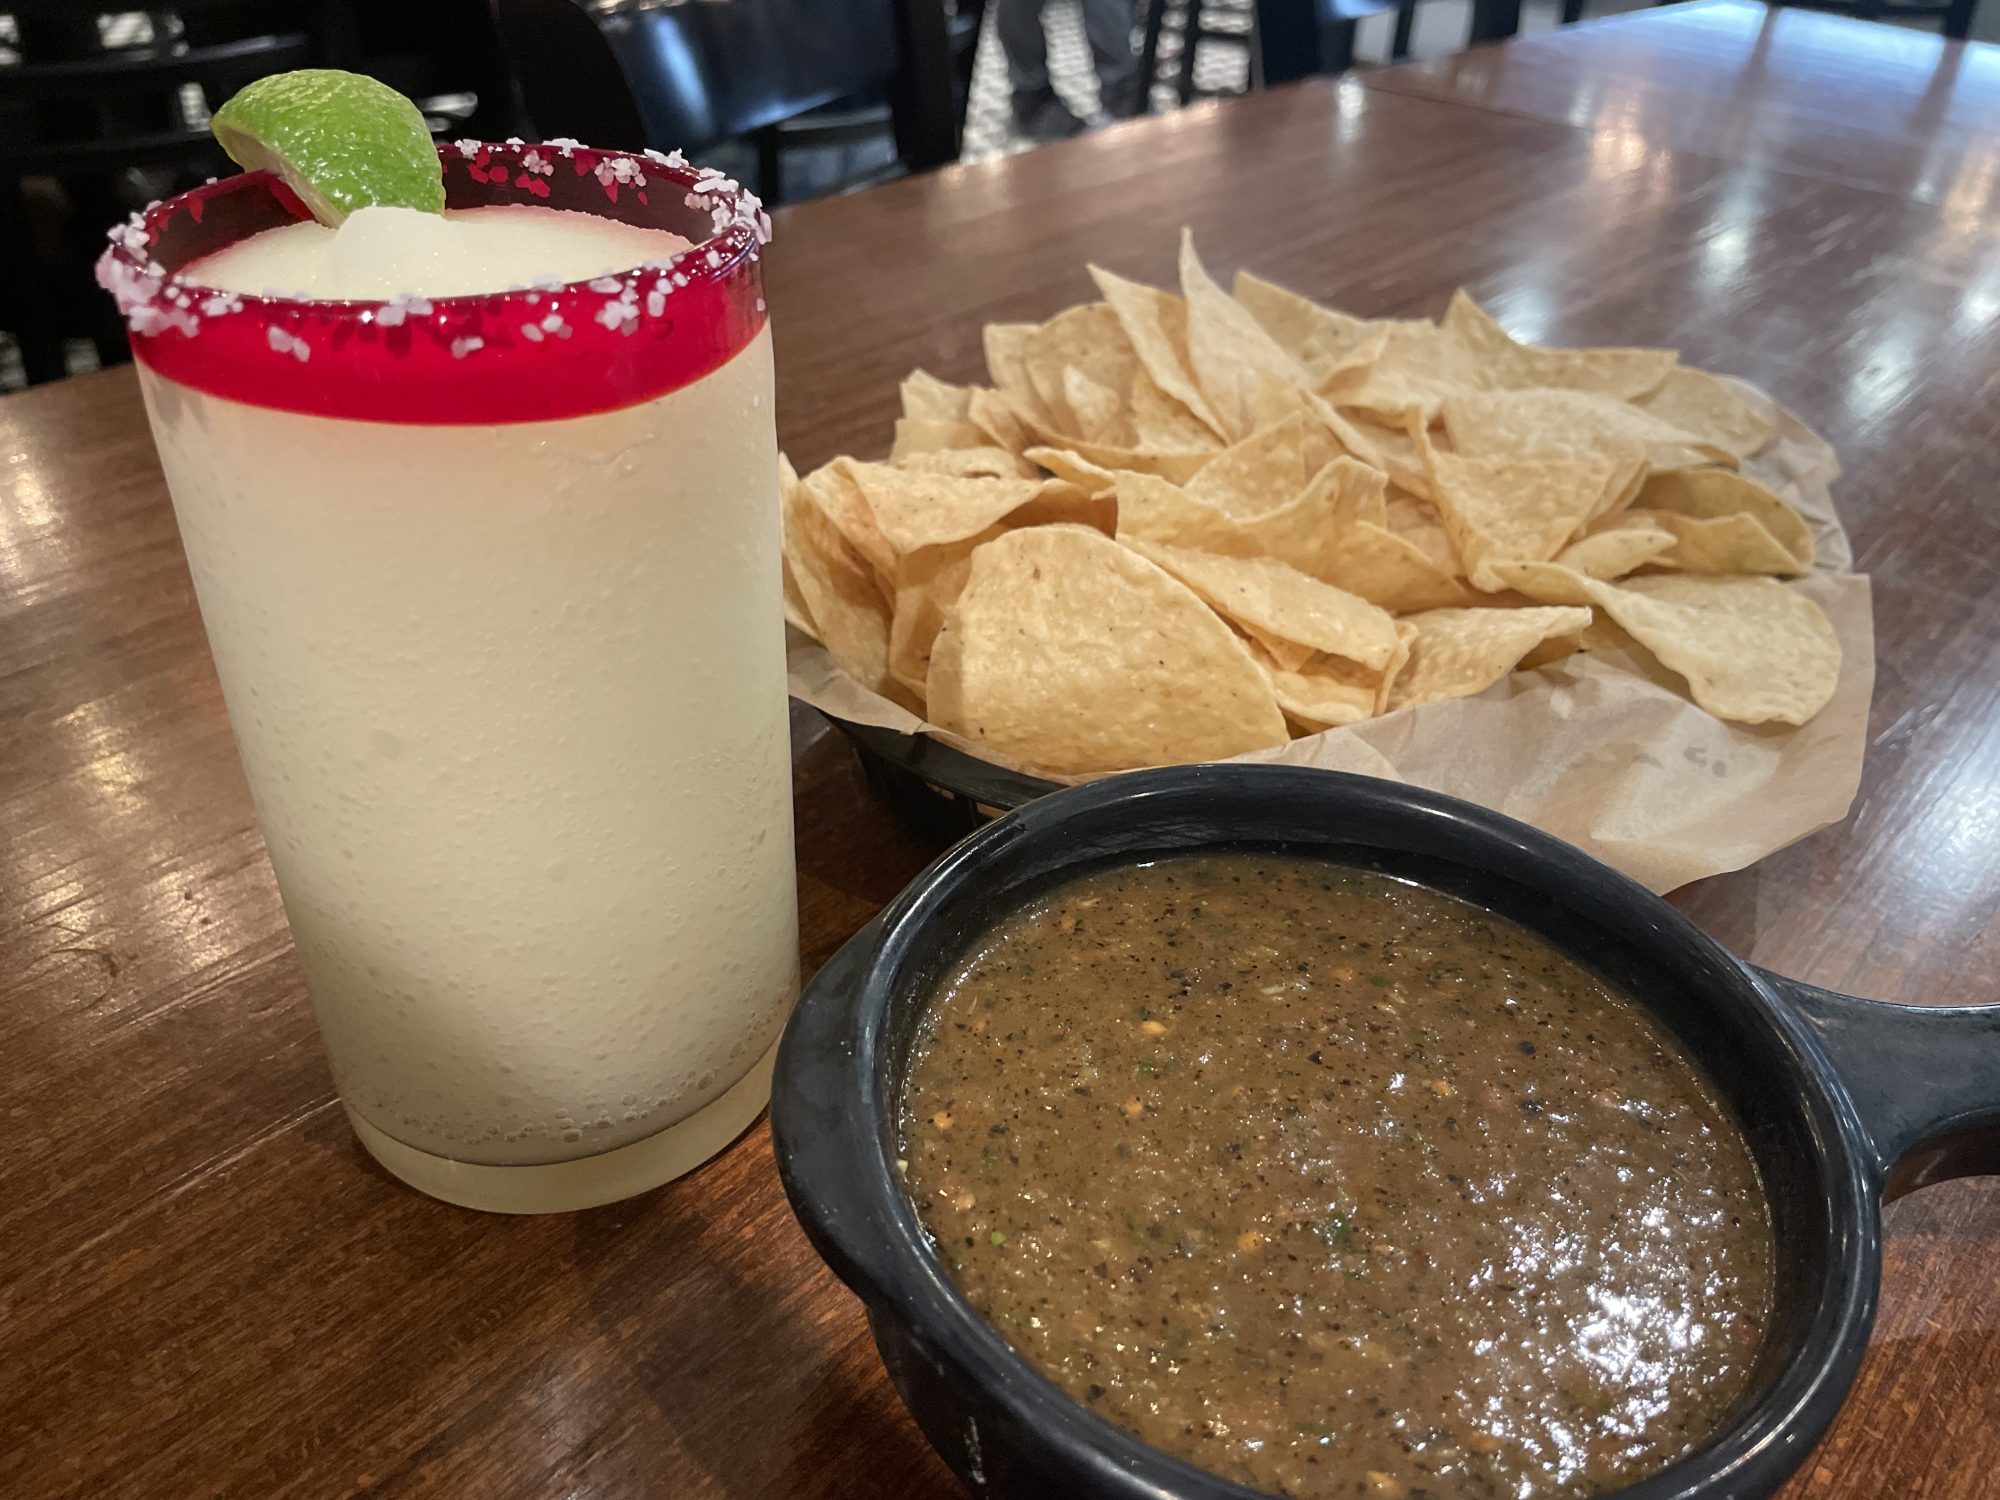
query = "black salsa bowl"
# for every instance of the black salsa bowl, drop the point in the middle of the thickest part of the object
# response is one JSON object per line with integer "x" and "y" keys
{"x": 1844, "y": 1102}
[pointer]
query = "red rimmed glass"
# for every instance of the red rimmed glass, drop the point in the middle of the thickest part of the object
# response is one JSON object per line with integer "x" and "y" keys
{"x": 515, "y": 356}
{"x": 492, "y": 586}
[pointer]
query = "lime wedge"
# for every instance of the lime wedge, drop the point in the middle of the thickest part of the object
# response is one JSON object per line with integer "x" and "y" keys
{"x": 339, "y": 140}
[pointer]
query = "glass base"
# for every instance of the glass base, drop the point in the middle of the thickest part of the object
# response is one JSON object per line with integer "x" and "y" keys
{"x": 588, "y": 1181}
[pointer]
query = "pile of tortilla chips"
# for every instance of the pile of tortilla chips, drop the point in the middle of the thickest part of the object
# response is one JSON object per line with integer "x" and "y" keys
{"x": 1181, "y": 528}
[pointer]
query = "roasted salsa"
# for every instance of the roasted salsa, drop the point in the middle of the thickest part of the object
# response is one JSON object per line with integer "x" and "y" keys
{"x": 1335, "y": 1185}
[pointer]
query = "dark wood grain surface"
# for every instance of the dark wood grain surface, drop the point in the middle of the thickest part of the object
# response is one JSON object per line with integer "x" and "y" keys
{"x": 206, "y": 1288}
{"x": 1780, "y": 89}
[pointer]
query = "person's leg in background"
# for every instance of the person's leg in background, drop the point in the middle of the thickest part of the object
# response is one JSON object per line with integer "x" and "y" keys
{"x": 1108, "y": 26}
{"x": 1038, "y": 113}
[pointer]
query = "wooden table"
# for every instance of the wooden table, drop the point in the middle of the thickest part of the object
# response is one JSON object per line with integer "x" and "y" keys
{"x": 207, "y": 1289}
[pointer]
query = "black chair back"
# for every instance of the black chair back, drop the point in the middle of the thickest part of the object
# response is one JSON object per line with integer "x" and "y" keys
{"x": 634, "y": 75}
{"x": 1299, "y": 38}
{"x": 73, "y": 104}
{"x": 95, "y": 120}
{"x": 446, "y": 55}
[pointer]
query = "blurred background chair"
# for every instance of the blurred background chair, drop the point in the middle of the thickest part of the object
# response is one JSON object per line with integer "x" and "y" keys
{"x": 445, "y": 54}
{"x": 1266, "y": 42}
{"x": 819, "y": 95}
{"x": 1199, "y": 25}
{"x": 105, "y": 108}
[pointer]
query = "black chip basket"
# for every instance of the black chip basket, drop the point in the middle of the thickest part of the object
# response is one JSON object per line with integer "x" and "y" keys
{"x": 932, "y": 786}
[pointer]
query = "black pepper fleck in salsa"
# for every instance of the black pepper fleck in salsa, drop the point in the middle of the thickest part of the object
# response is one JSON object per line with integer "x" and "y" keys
{"x": 1337, "y": 1186}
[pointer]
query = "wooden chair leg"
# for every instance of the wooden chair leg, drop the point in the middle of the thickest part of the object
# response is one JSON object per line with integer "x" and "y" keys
{"x": 1190, "y": 39}
{"x": 1572, "y": 12}
{"x": 1406, "y": 22}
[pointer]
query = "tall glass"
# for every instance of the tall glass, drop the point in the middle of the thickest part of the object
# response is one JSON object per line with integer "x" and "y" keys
{"x": 492, "y": 585}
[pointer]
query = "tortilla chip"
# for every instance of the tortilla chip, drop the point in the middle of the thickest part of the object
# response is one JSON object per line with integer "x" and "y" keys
{"x": 1095, "y": 411}
{"x": 1063, "y": 504}
{"x": 1417, "y": 522}
{"x": 796, "y": 612}
{"x": 1618, "y": 499}
{"x": 1082, "y": 355}
{"x": 928, "y": 399}
{"x": 1078, "y": 470}
{"x": 913, "y": 509}
{"x": 1323, "y": 341}
{"x": 1724, "y": 544}
{"x": 1079, "y": 366}
{"x": 1516, "y": 509}
{"x": 1552, "y": 650}
{"x": 928, "y": 582}
{"x": 838, "y": 590}
{"x": 1627, "y": 374}
{"x": 1306, "y": 531}
{"x": 928, "y": 579}
{"x": 1322, "y": 446}
{"x": 1712, "y": 410}
{"x": 1705, "y": 494}
{"x": 1543, "y": 582}
{"x": 1406, "y": 645}
{"x": 1258, "y": 474}
{"x": 1605, "y": 634}
{"x": 1288, "y": 656}
{"x": 1324, "y": 693}
{"x": 996, "y": 416}
{"x": 832, "y": 489}
{"x": 918, "y": 435}
{"x": 1751, "y": 649}
{"x": 1521, "y": 425}
{"x": 1086, "y": 337}
{"x": 1328, "y": 433}
{"x": 1161, "y": 424}
{"x": 972, "y": 463}
{"x": 1276, "y": 600}
{"x": 1073, "y": 654}
{"x": 1177, "y": 467}
{"x": 1392, "y": 451}
{"x": 1351, "y": 360}
{"x": 1156, "y": 323}
{"x": 1334, "y": 531}
{"x": 1006, "y": 347}
{"x": 1612, "y": 551}
{"x": 1418, "y": 368}
{"x": 1459, "y": 652}
{"x": 1153, "y": 509}
{"x": 1391, "y": 571}
{"x": 1231, "y": 356}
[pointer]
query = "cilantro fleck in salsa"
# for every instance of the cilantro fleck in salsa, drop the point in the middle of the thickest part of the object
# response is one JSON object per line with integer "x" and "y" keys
{"x": 1337, "y": 1186}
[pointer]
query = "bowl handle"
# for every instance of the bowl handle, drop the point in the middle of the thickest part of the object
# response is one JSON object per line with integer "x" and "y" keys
{"x": 1925, "y": 1078}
